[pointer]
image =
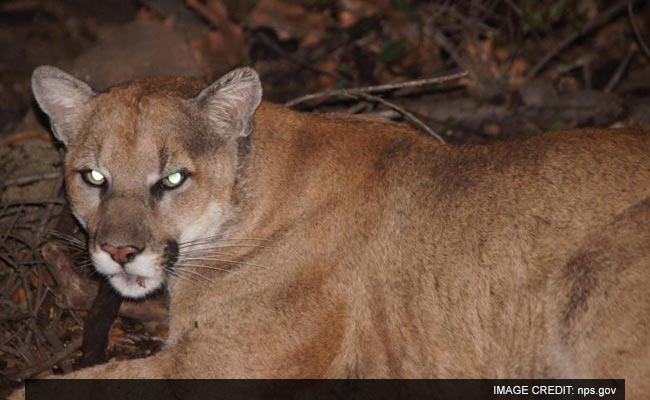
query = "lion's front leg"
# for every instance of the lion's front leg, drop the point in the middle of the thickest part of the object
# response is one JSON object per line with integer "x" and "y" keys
{"x": 155, "y": 367}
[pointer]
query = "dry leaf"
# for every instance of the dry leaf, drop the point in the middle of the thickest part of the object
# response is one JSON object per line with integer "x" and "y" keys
{"x": 223, "y": 48}
{"x": 351, "y": 11}
{"x": 20, "y": 297}
{"x": 290, "y": 21}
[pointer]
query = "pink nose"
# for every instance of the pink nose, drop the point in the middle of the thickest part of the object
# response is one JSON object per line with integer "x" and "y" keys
{"x": 121, "y": 254}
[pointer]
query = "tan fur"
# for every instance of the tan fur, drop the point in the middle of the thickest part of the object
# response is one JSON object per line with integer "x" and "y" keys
{"x": 389, "y": 255}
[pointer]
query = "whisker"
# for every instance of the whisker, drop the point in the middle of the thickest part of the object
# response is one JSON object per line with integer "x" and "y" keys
{"x": 67, "y": 238}
{"x": 179, "y": 270}
{"x": 222, "y": 237}
{"x": 219, "y": 260}
{"x": 199, "y": 253}
{"x": 201, "y": 242}
{"x": 211, "y": 251}
{"x": 181, "y": 277}
{"x": 224, "y": 246}
{"x": 73, "y": 246}
{"x": 63, "y": 234}
{"x": 84, "y": 264}
{"x": 185, "y": 266}
{"x": 217, "y": 236}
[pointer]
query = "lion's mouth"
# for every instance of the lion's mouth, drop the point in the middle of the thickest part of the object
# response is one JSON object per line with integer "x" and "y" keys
{"x": 132, "y": 278}
{"x": 125, "y": 278}
{"x": 146, "y": 273}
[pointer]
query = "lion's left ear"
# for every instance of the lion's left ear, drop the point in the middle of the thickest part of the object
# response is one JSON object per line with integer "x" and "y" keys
{"x": 231, "y": 101}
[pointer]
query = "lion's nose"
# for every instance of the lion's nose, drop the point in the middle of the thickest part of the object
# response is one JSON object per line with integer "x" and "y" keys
{"x": 121, "y": 254}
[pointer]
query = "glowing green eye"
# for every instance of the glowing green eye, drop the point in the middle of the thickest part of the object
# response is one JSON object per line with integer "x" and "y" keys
{"x": 94, "y": 177}
{"x": 174, "y": 179}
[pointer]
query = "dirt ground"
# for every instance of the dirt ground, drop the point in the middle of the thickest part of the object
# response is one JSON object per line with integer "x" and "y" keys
{"x": 513, "y": 68}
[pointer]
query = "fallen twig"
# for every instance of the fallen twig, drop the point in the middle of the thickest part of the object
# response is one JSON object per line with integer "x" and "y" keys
{"x": 637, "y": 33}
{"x": 26, "y": 180}
{"x": 621, "y": 68}
{"x": 515, "y": 8}
{"x": 42, "y": 202}
{"x": 601, "y": 19}
{"x": 446, "y": 44}
{"x": 25, "y": 135}
{"x": 61, "y": 355}
{"x": 410, "y": 117}
{"x": 376, "y": 89}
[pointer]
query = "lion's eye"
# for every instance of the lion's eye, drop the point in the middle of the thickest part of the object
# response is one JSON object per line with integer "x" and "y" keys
{"x": 94, "y": 177}
{"x": 174, "y": 180}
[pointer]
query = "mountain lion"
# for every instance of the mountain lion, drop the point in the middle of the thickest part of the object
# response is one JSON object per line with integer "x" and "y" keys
{"x": 305, "y": 245}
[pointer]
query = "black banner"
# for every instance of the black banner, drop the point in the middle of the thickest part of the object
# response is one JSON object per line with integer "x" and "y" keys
{"x": 375, "y": 389}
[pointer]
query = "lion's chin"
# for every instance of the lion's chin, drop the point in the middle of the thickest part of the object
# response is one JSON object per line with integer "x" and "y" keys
{"x": 134, "y": 286}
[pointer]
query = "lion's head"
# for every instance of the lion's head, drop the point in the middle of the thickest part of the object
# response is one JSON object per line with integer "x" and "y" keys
{"x": 150, "y": 166}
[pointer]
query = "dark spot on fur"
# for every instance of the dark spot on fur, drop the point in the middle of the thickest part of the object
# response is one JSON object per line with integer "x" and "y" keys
{"x": 461, "y": 173}
{"x": 171, "y": 253}
{"x": 203, "y": 142}
{"x": 244, "y": 146}
{"x": 163, "y": 158}
{"x": 196, "y": 324}
{"x": 579, "y": 272}
{"x": 103, "y": 190}
{"x": 156, "y": 193}
{"x": 202, "y": 137}
{"x": 399, "y": 149}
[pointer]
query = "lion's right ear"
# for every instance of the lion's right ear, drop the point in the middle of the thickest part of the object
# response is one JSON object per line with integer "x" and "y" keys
{"x": 62, "y": 97}
{"x": 231, "y": 101}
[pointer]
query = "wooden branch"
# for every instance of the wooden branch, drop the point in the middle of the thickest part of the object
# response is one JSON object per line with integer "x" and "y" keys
{"x": 621, "y": 68}
{"x": 446, "y": 44}
{"x": 25, "y": 135}
{"x": 600, "y": 20}
{"x": 61, "y": 355}
{"x": 409, "y": 116}
{"x": 26, "y": 180}
{"x": 376, "y": 89}
{"x": 637, "y": 33}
